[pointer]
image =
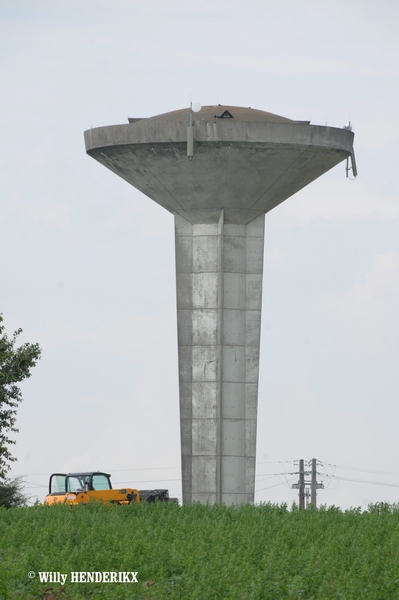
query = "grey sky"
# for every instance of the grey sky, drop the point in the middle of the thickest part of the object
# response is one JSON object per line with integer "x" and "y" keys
{"x": 88, "y": 262}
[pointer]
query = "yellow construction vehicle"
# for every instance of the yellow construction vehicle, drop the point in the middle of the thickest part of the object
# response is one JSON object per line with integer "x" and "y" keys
{"x": 80, "y": 488}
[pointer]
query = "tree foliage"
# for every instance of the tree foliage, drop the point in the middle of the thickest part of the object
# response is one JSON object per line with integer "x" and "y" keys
{"x": 15, "y": 366}
{"x": 11, "y": 493}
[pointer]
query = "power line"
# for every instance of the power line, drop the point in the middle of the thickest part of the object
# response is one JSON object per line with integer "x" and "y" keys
{"x": 149, "y": 468}
{"x": 276, "y": 462}
{"x": 275, "y": 485}
{"x": 284, "y": 473}
{"x": 146, "y": 480}
{"x": 37, "y": 485}
{"x": 273, "y": 474}
{"x": 363, "y": 470}
{"x": 264, "y": 479}
{"x": 104, "y": 471}
{"x": 394, "y": 474}
{"x": 32, "y": 484}
{"x": 363, "y": 481}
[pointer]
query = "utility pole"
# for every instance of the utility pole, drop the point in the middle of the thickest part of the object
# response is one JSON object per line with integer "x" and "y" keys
{"x": 313, "y": 484}
{"x": 307, "y": 488}
{"x": 301, "y": 485}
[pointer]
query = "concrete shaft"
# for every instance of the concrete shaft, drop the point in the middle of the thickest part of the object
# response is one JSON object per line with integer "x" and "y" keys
{"x": 219, "y": 296}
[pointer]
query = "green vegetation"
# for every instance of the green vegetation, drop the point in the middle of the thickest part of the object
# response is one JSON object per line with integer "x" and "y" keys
{"x": 11, "y": 493}
{"x": 15, "y": 366}
{"x": 202, "y": 552}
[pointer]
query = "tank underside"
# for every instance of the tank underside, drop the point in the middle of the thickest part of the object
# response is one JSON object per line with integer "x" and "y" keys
{"x": 244, "y": 168}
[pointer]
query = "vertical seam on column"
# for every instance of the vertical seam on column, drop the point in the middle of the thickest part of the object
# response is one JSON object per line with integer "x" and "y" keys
{"x": 246, "y": 383}
{"x": 186, "y": 492}
{"x": 248, "y": 491}
{"x": 192, "y": 366}
{"x": 192, "y": 363}
{"x": 220, "y": 355}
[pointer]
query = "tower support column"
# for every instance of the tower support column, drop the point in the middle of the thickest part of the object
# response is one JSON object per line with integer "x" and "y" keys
{"x": 219, "y": 267}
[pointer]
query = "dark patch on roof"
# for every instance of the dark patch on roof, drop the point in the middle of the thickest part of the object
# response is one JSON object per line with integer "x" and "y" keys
{"x": 225, "y": 115}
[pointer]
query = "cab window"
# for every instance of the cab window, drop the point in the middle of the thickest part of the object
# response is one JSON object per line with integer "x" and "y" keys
{"x": 57, "y": 485}
{"x": 101, "y": 482}
{"x": 75, "y": 484}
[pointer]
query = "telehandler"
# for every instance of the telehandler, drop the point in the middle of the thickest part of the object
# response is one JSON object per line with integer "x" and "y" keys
{"x": 79, "y": 488}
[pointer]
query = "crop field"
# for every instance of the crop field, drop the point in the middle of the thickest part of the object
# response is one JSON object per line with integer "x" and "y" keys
{"x": 199, "y": 552}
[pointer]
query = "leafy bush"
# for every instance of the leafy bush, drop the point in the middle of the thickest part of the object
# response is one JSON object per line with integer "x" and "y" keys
{"x": 11, "y": 494}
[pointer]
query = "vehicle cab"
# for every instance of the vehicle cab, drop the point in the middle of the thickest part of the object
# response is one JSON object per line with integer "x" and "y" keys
{"x": 79, "y": 488}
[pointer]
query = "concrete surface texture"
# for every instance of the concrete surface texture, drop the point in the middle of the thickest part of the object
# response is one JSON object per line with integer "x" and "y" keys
{"x": 245, "y": 162}
{"x": 219, "y": 294}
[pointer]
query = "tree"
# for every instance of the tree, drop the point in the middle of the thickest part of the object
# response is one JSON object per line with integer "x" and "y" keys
{"x": 15, "y": 366}
{"x": 11, "y": 493}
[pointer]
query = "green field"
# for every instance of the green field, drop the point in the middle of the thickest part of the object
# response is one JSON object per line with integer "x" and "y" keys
{"x": 202, "y": 552}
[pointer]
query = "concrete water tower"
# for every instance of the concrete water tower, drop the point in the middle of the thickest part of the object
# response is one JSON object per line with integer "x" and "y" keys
{"x": 219, "y": 171}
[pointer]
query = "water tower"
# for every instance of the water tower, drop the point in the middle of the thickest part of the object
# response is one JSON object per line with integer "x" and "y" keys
{"x": 219, "y": 171}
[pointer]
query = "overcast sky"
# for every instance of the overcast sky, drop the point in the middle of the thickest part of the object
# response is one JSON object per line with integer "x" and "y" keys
{"x": 87, "y": 265}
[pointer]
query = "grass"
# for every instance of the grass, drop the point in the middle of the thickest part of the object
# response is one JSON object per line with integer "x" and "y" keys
{"x": 202, "y": 552}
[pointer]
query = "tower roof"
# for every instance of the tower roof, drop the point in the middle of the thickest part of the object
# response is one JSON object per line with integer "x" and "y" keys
{"x": 218, "y": 111}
